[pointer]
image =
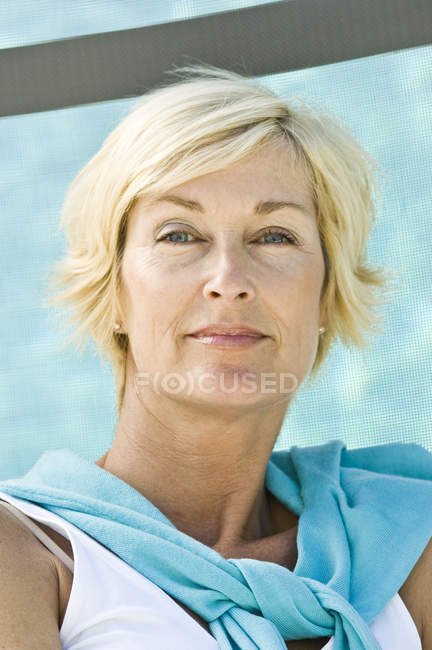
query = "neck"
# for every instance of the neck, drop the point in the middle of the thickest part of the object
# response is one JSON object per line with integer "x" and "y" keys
{"x": 207, "y": 479}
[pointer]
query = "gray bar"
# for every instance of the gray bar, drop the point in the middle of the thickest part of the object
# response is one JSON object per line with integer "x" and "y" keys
{"x": 271, "y": 38}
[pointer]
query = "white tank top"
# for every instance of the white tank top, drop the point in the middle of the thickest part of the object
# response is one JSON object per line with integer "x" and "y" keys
{"x": 111, "y": 605}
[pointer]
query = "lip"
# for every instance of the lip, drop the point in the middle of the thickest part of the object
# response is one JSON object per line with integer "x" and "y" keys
{"x": 228, "y": 329}
{"x": 229, "y": 341}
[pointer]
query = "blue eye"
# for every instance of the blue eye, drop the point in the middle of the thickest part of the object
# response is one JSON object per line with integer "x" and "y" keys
{"x": 175, "y": 232}
{"x": 270, "y": 231}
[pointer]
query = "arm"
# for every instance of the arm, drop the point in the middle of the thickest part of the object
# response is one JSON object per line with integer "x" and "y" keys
{"x": 28, "y": 590}
{"x": 416, "y": 592}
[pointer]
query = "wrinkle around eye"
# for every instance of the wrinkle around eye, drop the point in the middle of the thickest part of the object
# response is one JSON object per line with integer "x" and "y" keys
{"x": 291, "y": 237}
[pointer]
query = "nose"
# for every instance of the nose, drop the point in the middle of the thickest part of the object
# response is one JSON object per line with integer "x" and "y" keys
{"x": 231, "y": 279}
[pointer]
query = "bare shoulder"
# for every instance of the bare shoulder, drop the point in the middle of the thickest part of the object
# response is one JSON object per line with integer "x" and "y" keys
{"x": 29, "y": 595}
{"x": 416, "y": 592}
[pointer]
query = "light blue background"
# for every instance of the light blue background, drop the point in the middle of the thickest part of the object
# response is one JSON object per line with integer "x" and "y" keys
{"x": 26, "y": 22}
{"x": 53, "y": 399}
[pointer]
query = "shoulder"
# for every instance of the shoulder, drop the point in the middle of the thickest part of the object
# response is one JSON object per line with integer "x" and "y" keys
{"x": 29, "y": 595}
{"x": 416, "y": 594}
{"x": 25, "y": 563}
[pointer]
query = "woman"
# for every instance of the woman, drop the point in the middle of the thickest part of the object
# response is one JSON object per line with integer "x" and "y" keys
{"x": 216, "y": 249}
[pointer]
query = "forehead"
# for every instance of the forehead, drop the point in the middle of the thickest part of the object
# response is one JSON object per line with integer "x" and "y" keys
{"x": 269, "y": 174}
{"x": 270, "y": 165}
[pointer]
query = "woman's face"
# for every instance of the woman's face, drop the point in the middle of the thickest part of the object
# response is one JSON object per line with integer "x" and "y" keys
{"x": 219, "y": 265}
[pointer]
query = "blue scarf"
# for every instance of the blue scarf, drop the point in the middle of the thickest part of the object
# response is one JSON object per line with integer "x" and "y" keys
{"x": 365, "y": 517}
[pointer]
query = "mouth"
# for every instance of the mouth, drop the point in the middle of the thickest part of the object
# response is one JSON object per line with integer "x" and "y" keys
{"x": 228, "y": 340}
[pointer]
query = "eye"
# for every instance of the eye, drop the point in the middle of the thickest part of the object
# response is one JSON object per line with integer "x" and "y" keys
{"x": 270, "y": 231}
{"x": 281, "y": 233}
{"x": 175, "y": 232}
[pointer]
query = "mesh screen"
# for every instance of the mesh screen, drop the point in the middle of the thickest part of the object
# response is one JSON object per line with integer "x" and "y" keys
{"x": 53, "y": 399}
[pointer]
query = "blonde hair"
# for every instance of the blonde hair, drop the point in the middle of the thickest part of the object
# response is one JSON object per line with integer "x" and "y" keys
{"x": 204, "y": 121}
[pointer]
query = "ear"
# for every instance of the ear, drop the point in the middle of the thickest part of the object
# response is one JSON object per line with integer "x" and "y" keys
{"x": 118, "y": 329}
{"x": 324, "y": 321}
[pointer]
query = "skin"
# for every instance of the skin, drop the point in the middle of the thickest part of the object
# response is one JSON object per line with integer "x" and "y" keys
{"x": 201, "y": 457}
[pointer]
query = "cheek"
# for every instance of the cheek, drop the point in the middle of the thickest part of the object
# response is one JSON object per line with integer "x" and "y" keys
{"x": 295, "y": 299}
{"x": 152, "y": 291}
{"x": 299, "y": 275}
{"x": 143, "y": 274}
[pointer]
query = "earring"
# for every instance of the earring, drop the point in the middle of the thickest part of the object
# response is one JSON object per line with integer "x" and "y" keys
{"x": 116, "y": 326}
{"x": 322, "y": 330}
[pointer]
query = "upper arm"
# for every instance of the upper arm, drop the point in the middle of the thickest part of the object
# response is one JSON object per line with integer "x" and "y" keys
{"x": 28, "y": 590}
{"x": 416, "y": 593}
{"x": 424, "y": 578}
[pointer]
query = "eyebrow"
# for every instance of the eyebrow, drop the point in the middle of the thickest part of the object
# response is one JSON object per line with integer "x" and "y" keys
{"x": 261, "y": 208}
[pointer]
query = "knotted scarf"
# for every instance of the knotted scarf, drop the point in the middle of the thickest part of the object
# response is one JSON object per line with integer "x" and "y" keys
{"x": 365, "y": 517}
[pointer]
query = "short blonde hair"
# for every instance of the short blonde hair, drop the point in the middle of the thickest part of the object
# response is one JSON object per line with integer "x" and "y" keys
{"x": 204, "y": 121}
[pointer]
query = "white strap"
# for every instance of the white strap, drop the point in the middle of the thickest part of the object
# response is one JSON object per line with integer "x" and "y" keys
{"x": 47, "y": 541}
